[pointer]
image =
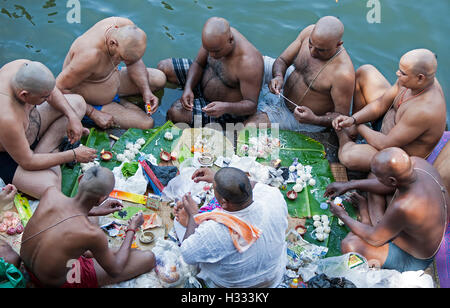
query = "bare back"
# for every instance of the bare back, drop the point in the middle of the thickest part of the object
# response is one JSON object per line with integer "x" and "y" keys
{"x": 221, "y": 79}
{"x": 423, "y": 117}
{"x": 97, "y": 83}
{"x": 423, "y": 209}
{"x": 14, "y": 116}
{"x": 47, "y": 254}
{"x": 319, "y": 98}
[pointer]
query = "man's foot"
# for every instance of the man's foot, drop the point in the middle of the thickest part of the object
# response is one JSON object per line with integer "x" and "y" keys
{"x": 361, "y": 203}
{"x": 8, "y": 254}
{"x": 7, "y": 195}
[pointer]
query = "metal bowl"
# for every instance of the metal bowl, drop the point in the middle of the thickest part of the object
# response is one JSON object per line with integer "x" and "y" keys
{"x": 146, "y": 237}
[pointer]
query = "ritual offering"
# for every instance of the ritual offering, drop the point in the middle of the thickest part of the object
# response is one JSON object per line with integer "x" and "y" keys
{"x": 168, "y": 136}
{"x": 206, "y": 159}
{"x": 130, "y": 197}
{"x": 146, "y": 237}
{"x": 292, "y": 195}
{"x": 165, "y": 156}
{"x": 106, "y": 155}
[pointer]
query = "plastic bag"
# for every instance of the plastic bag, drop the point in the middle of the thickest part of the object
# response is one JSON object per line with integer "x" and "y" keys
{"x": 362, "y": 276}
{"x": 170, "y": 267}
{"x": 10, "y": 276}
{"x": 136, "y": 184}
{"x": 181, "y": 185}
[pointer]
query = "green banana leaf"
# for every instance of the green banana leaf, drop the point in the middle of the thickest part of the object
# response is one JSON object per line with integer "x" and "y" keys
{"x": 96, "y": 139}
{"x": 99, "y": 140}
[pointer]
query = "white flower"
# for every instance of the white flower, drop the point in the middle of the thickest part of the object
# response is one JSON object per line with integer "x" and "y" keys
{"x": 129, "y": 146}
{"x": 312, "y": 182}
{"x": 140, "y": 141}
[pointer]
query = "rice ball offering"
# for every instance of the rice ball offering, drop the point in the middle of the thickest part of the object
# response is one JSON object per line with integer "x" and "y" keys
{"x": 168, "y": 136}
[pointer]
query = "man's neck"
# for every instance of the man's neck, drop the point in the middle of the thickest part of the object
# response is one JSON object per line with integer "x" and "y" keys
{"x": 84, "y": 203}
{"x": 423, "y": 88}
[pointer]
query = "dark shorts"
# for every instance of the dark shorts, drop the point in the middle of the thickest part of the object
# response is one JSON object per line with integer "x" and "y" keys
{"x": 8, "y": 165}
{"x": 181, "y": 67}
{"x": 402, "y": 261}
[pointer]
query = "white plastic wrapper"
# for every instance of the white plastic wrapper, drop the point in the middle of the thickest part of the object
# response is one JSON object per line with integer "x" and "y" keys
{"x": 136, "y": 184}
{"x": 181, "y": 185}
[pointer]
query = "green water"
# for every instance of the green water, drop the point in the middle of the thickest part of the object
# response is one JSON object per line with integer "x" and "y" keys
{"x": 38, "y": 29}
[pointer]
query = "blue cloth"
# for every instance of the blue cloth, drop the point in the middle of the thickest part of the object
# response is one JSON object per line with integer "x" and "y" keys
{"x": 402, "y": 261}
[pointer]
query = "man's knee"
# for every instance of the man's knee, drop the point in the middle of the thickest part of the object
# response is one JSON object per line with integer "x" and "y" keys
{"x": 364, "y": 71}
{"x": 165, "y": 66}
{"x": 157, "y": 79}
{"x": 176, "y": 114}
{"x": 349, "y": 158}
{"x": 146, "y": 124}
{"x": 350, "y": 244}
{"x": 78, "y": 104}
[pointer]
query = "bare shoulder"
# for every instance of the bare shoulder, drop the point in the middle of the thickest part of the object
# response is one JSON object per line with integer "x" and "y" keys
{"x": 306, "y": 32}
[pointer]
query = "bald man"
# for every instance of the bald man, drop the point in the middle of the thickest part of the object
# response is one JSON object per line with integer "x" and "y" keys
{"x": 411, "y": 114}
{"x": 91, "y": 70}
{"x": 34, "y": 120}
{"x": 318, "y": 87}
{"x": 404, "y": 219}
{"x": 222, "y": 85}
{"x": 59, "y": 234}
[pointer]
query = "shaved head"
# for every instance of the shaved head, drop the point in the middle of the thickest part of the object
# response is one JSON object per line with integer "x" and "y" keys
{"x": 35, "y": 78}
{"x": 233, "y": 185}
{"x": 421, "y": 61}
{"x": 329, "y": 28}
{"x": 217, "y": 37}
{"x": 392, "y": 162}
{"x": 97, "y": 182}
{"x": 132, "y": 41}
{"x": 216, "y": 27}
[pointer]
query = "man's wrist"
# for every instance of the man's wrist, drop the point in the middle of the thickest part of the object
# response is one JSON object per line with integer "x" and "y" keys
{"x": 355, "y": 122}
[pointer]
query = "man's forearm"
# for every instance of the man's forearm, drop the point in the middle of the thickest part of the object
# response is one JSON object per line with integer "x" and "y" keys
{"x": 244, "y": 108}
{"x": 190, "y": 227}
{"x": 363, "y": 231}
{"x": 123, "y": 253}
{"x": 376, "y": 139}
{"x": 48, "y": 160}
{"x": 370, "y": 185}
{"x": 325, "y": 120}
{"x": 194, "y": 75}
{"x": 279, "y": 68}
{"x": 139, "y": 75}
{"x": 58, "y": 101}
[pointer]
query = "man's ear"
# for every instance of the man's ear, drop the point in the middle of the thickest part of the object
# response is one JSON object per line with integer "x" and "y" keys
{"x": 23, "y": 95}
{"x": 421, "y": 77}
{"x": 340, "y": 43}
{"x": 393, "y": 181}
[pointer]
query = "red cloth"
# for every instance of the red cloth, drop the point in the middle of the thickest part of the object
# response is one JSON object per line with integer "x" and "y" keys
{"x": 88, "y": 276}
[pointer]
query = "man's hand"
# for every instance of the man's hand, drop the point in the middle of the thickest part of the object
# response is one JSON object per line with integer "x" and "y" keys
{"x": 215, "y": 109}
{"x": 189, "y": 205}
{"x": 343, "y": 121}
{"x": 103, "y": 120}
{"x": 74, "y": 130}
{"x": 136, "y": 221}
{"x": 337, "y": 210}
{"x": 107, "y": 207}
{"x": 151, "y": 101}
{"x": 84, "y": 154}
{"x": 187, "y": 99}
{"x": 276, "y": 84}
{"x": 203, "y": 175}
{"x": 304, "y": 114}
{"x": 336, "y": 189}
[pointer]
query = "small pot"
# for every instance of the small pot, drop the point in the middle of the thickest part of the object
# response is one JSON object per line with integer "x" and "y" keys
{"x": 301, "y": 229}
{"x": 206, "y": 159}
{"x": 146, "y": 237}
{"x": 292, "y": 195}
{"x": 165, "y": 156}
{"x": 106, "y": 156}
